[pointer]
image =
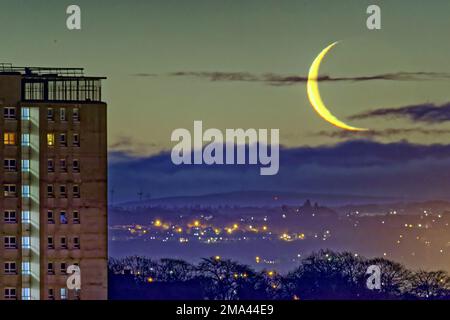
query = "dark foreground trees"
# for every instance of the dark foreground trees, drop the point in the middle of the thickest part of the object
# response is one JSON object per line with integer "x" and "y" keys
{"x": 322, "y": 275}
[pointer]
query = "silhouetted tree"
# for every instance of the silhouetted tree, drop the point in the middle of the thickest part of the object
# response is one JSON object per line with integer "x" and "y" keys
{"x": 431, "y": 285}
{"x": 322, "y": 275}
{"x": 172, "y": 270}
{"x": 224, "y": 279}
{"x": 395, "y": 278}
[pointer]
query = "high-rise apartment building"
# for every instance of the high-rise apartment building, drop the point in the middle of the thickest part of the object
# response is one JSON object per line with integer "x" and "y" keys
{"x": 53, "y": 175}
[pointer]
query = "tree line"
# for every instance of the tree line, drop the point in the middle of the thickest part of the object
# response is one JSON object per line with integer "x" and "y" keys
{"x": 322, "y": 275}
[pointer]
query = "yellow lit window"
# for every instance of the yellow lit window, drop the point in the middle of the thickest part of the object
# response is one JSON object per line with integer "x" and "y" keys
{"x": 50, "y": 139}
{"x": 9, "y": 138}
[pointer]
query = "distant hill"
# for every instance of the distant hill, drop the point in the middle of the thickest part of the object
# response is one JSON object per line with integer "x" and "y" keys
{"x": 258, "y": 199}
{"x": 412, "y": 207}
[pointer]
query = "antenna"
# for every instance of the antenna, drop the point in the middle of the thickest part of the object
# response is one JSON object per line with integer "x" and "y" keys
{"x": 112, "y": 191}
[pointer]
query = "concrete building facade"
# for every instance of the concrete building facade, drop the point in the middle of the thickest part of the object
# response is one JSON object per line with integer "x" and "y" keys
{"x": 53, "y": 174}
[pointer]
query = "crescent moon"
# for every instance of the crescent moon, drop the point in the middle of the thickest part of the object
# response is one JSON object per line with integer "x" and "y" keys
{"x": 314, "y": 94}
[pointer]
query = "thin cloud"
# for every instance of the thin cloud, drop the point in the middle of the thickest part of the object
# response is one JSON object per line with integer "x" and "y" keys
{"x": 386, "y": 133}
{"x": 286, "y": 80}
{"x": 132, "y": 147}
{"x": 426, "y": 112}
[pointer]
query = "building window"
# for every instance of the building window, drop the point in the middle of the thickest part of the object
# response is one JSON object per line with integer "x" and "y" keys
{"x": 63, "y": 217}
{"x": 62, "y": 114}
{"x": 25, "y": 191}
{"x": 63, "y": 165}
{"x": 76, "y": 191}
{"x": 50, "y": 268}
{"x": 50, "y": 243}
{"x": 9, "y": 216}
{"x": 63, "y": 293}
{"x": 63, "y": 243}
{"x": 76, "y": 114}
{"x": 76, "y": 139}
{"x": 10, "y": 242}
{"x": 51, "y": 294}
{"x": 34, "y": 90}
{"x": 50, "y": 115}
{"x": 62, "y": 191}
{"x": 62, "y": 140}
{"x": 76, "y": 217}
{"x": 50, "y": 165}
{"x": 25, "y": 165}
{"x": 76, "y": 243}
{"x": 25, "y": 113}
{"x": 26, "y": 294}
{"x": 26, "y": 243}
{"x": 10, "y": 165}
{"x": 10, "y": 294}
{"x": 76, "y": 165}
{"x": 9, "y": 138}
{"x": 50, "y": 139}
{"x": 26, "y": 217}
{"x": 9, "y": 190}
{"x": 26, "y": 269}
{"x": 50, "y": 191}
{"x": 10, "y": 267}
{"x": 9, "y": 113}
{"x": 50, "y": 218}
{"x": 25, "y": 140}
{"x": 63, "y": 268}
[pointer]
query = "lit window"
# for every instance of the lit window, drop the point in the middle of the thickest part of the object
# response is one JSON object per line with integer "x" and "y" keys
{"x": 62, "y": 114}
{"x": 9, "y": 113}
{"x": 10, "y": 242}
{"x": 25, "y": 113}
{"x": 9, "y": 216}
{"x": 63, "y": 293}
{"x": 50, "y": 139}
{"x": 10, "y": 165}
{"x": 10, "y": 267}
{"x": 26, "y": 294}
{"x": 9, "y": 190}
{"x": 26, "y": 269}
{"x": 25, "y": 165}
{"x": 26, "y": 243}
{"x": 10, "y": 294}
{"x": 63, "y": 217}
{"x": 9, "y": 138}
{"x": 25, "y": 191}
{"x": 25, "y": 140}
{"x": 50, "y": 114}
{"x": 76, "y": 139}
{"x": 26, "y": 218}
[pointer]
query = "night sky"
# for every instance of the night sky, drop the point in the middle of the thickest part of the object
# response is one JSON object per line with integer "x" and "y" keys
{"x": 170, "y": 62}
